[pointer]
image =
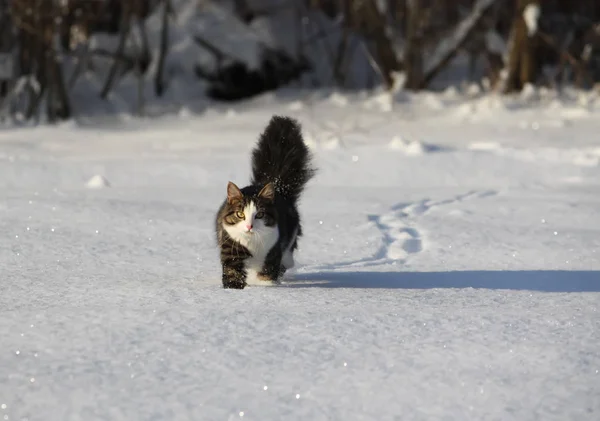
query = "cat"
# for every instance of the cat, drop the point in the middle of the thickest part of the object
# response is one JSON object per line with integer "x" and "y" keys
{"x": 258, "y": 226}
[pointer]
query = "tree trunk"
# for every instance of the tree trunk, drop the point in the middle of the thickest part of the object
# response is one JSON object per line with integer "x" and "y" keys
{"x": 112, "y": 75}
{"x": 59, "y": 107}
{"x": 159, "y": 82}
{"x": 413, "y": 51}
{"x": 523, "y": 61}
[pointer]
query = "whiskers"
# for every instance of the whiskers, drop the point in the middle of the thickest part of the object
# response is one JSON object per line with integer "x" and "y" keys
{"x": 258, "y": 238}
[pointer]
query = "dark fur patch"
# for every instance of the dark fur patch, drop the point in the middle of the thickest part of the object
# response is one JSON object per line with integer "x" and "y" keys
{"x": 281, "y": 157}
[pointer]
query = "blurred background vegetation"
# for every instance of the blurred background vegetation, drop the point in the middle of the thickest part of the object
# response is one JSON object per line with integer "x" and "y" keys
{"x": 59, "y": 58}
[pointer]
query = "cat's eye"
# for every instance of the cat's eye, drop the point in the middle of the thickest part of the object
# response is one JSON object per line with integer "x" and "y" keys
{"x": 259, "y": 215}
{"x": 240, "y": 214}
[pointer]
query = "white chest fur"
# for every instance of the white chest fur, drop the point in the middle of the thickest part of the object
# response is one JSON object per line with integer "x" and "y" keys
{"x": 259, "y": 242}
{"x": 259, "y": 249}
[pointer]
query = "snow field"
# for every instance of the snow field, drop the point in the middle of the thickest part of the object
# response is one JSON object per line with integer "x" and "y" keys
{"x": 455, "y": 279}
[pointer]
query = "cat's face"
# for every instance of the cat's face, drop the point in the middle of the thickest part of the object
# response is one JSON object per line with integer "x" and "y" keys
{"x": 249, "y": 218}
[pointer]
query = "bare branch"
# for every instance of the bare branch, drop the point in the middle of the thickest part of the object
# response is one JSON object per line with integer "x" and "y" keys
{"x": 448, "y": 46}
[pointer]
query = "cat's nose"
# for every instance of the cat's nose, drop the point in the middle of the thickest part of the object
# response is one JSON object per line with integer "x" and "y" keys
{"x": 249, "y": 227}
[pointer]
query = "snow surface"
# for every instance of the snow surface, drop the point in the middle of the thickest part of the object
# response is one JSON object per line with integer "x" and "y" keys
{"x": 450, "y": 267}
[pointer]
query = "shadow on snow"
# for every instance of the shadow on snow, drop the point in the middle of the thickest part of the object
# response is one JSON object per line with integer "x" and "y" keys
{"x": 528, "y": 280}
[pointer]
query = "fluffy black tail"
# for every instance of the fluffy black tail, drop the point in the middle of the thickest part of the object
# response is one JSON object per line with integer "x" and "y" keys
{"x": 282, "y": 158}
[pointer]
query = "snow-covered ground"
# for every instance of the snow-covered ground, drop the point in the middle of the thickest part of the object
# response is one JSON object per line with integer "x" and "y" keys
{"x": 450, "y": 268}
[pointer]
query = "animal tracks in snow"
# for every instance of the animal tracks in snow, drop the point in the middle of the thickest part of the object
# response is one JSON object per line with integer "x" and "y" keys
{"x": 401, "y": 236}
{"x": 399, "y": 239}
{"x": 424, "y": 206}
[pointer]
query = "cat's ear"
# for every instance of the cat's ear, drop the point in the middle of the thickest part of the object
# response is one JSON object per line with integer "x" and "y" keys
{"x": 233, "y": 192}
{"x": 267, "y": 192}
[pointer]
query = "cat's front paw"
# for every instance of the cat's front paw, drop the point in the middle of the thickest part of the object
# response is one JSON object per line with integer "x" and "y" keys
{"x": 233, "y": 284}
{"x": 267, "y": 279}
